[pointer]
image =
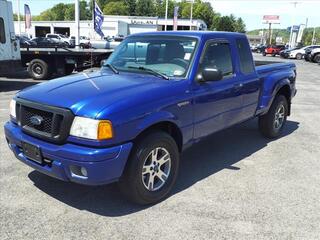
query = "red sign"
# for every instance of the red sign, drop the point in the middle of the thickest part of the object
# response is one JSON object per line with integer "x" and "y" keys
{"x": 271, "y": 17}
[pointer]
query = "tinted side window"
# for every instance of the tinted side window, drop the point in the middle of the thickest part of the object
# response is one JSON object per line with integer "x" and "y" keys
{"x": 218, "y": 55}
{"x": 2, "y": 32}
{"x": 246, "y": 64}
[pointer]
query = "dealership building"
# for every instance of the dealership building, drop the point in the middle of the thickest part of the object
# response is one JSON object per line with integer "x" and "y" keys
{"x": 112, "y": 26}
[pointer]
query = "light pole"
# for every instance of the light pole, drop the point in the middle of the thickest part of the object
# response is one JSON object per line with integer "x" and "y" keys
{"x": 191, "y": 12}
{"x": 166, "y": 16}
{"x": 77, "y": 19}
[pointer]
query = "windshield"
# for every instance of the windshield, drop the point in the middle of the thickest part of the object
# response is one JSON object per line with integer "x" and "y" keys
{"x": 168, "y": 55}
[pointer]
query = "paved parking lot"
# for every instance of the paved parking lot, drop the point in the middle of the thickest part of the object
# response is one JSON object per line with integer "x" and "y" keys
{"x": 234, "y": 185}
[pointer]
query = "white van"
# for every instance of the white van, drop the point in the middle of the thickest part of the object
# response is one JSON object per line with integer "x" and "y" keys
{"x": 9, "y": 45}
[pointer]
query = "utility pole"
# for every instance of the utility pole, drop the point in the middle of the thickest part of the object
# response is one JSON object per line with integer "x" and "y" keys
{"x": 166, "y": 16}
{"x": 19, "y": 22}
{"x": 77, "y": 22}
{"x": 270, "y": 34}
{"x": 191, "y": 12}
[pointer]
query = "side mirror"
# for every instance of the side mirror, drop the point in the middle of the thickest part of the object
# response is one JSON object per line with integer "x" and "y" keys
{"x": 211, "y": 74}
{"x": 103, "y": 62}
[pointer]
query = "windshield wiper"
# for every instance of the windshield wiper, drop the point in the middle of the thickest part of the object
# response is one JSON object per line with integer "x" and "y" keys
{"x": 113, "y": 68}
{"x": 154, "y": 72}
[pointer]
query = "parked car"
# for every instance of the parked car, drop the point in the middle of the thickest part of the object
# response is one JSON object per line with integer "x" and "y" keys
{"x": 69, "y": 42}
{"x": 48, "y": 42}
{"x": 285, "y": 53}
{"x": 253, "y": 48}
{"x": 300, "y": 53}
{"x": 25, "y": 42}
{"x": 84, "y": 42}
{"x": 130, "y": 121}
{"x": 273, "y": 50}
{"x": 315, "y": 55}
{"x": 261, "y": 48}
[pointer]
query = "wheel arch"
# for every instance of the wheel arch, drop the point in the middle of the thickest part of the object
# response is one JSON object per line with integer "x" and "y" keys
{"x": 286, "y": 92}
{"x": 166, "y": 126}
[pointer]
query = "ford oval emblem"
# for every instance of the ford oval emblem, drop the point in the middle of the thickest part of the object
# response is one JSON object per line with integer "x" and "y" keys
{"x": 36, "y": 120}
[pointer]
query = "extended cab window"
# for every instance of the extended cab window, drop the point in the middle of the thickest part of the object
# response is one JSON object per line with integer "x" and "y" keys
{"x": 246, "y": 64}
{"x": 217, "y": 55}
{"x": 2, "y": 32}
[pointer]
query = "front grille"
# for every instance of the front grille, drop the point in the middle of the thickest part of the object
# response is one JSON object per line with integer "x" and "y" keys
{"x": 45, "y": 122}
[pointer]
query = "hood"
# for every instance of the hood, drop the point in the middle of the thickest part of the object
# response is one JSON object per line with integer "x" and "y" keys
{"x": 86, "y": 94}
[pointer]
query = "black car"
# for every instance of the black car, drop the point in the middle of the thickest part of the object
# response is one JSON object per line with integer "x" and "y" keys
{"x": 260, "y": 48}
{"x": 48, "y": 42}
{"x": 25, "y": 42}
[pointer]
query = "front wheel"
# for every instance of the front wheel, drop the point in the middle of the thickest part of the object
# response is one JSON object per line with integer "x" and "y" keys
{"x": 152, "y": 169}
{"x": 264, "y": 54}
{"x": 272, "y": 123}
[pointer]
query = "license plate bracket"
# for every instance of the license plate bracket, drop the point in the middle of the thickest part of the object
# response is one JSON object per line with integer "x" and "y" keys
{"x": 32, "y": 152}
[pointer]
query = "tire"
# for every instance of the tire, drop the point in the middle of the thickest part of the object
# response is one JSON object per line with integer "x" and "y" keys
{"x": 299, "y": 56}
{"x": 264, "y": 54}
{"x": 135, "y": 184}
{"x": 316, "y": 58}
{"x": 39, "y": 69}
{"x": 267, "y": 122}
{"x": 68, "y": 69}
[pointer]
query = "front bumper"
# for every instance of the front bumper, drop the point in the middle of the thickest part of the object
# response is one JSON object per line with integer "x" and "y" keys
{"x": 103, "y": 165}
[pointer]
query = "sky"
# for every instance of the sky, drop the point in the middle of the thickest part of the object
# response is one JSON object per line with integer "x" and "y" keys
{"x": 251, "y": 11}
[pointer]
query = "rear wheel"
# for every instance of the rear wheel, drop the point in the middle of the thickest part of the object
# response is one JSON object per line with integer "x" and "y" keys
{"x": 152, "y": 169}
{"x": 316, "y": 58}
{"x": 299, "y": 56}
{"x": 39, "y": 69}
{"x": 272, "y": 123}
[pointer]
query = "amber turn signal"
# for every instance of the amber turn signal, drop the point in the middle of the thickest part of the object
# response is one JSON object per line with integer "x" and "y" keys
{"x": 105, "y": 130}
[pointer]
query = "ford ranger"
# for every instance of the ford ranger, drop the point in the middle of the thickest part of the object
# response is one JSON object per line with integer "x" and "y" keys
{"x": 155, "y": 96}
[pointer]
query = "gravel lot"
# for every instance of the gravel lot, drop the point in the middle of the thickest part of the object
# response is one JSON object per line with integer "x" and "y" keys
{"x": 234, "y": 185}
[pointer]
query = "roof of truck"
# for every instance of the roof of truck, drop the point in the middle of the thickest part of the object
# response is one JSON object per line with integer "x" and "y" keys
{"x": 192, "y": 33}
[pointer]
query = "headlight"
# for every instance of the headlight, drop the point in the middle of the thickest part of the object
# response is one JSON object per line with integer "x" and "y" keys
{"x": 91, "y": 128}
{"x": 13, "y": 108}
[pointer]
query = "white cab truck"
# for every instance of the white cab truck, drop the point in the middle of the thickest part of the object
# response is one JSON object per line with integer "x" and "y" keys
{"x": 9, "y": 45}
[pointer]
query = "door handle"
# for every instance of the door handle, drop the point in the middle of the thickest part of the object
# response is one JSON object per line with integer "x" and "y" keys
{"x": 237, "y": 86}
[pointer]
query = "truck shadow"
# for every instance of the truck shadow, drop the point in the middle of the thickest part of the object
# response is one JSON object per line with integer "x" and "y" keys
{"x": 15, "y": 85}
{"x": 217, "y": 152}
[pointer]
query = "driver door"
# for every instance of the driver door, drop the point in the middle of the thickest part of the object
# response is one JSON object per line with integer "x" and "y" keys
{"x": 217, "y": 104}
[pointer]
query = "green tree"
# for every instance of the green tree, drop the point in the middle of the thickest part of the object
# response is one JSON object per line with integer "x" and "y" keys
{"x": 116, "y": 8}
{"x": 145, "y": 8}
{"x": 132, "y": 6}
{"x": 161, "y": 8}
{"x": 240, "y": 26}
{"x": 225, "y": 23}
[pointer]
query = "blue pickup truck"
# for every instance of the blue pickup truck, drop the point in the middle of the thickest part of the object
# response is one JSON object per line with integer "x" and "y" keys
{"x": 155, "y": 96}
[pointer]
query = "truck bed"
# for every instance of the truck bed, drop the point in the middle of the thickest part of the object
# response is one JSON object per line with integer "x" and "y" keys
{"x": 264, "y": 67}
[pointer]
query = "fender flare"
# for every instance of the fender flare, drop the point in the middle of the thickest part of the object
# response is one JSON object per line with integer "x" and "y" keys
{"x": 155, "y": 118}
